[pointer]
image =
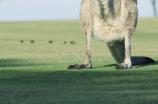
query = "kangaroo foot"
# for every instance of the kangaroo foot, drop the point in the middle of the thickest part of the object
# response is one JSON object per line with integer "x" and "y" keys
{"x": 78, "y": 66}
{"x": 123, "y": 66}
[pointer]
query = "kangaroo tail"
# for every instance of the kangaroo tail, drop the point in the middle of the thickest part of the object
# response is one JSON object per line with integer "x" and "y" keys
{"x": 118, "y": 52}
{"x": 136, "y": 60}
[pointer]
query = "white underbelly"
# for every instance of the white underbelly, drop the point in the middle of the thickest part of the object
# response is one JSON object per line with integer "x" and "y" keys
{"x": 106, "y": 32}
{"x": 108, "y": 37}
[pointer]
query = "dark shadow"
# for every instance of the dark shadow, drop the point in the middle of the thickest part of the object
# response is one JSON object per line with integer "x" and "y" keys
{"x": 75, "y": 85}
{"x": 110, "y": 65}
{"x": 110, "y": 6}
{"x": 102, "y": 8}
{"x": 144, "y": 65}
{"x": 17, "y": 62}
{"x": 137, "y": 66}
{"x": 77, "y": 76}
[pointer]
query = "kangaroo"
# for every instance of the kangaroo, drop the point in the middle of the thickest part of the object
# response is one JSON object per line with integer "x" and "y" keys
{"x": 114, "y": 22}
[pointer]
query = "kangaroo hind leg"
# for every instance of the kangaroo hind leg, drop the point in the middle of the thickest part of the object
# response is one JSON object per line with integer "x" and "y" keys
{"x": 87, "y": 63}
{"x": 86, "y": 23}
{"x": 121, "y": 53}
{"x": 117, "y": 50}
{"x": 124, "y": 52}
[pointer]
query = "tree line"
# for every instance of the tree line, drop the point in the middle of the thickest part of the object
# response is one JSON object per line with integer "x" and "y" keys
{"x": 153, "y": 2}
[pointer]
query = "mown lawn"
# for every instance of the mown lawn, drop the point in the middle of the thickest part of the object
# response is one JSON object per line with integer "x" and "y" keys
{"x": 36, "y": 73}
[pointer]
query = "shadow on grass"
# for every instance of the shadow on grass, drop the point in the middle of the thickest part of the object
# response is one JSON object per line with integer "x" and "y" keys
{"x": 80, "y": 77}
{"x": 144, "y": 65}
{"x": 75, "y": 86}
{"x": 78, "y": 86}
{"x": 17, "y": 62}
{"x": 137, "y": 66}
{"x": 73, "y": 76}
{"x": 110, "y": 65}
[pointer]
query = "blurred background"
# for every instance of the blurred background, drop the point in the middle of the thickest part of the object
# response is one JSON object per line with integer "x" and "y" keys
{"x": 26, "y": 10}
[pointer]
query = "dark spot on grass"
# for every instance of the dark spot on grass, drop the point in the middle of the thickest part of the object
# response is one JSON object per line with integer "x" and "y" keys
{"x": 50, "y": 41}
{"x": 21, "y": 41}
{"x": 72, "y": 42}
{"x": 32, "y": 41}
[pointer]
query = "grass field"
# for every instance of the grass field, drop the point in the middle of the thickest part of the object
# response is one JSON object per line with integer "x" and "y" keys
{"x": 36, "y": 73}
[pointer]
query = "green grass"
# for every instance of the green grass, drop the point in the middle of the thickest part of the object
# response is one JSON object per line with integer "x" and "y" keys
{"x": 36, "y": 73}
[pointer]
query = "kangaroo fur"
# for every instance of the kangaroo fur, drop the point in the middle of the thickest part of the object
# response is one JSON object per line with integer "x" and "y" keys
{"x": 114, "y": 22}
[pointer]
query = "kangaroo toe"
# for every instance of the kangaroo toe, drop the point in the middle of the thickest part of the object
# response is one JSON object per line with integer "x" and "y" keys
{"x": 120, "y": 66}
{"x": 123, "y": 66}
{"x": 77, "y": 66}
